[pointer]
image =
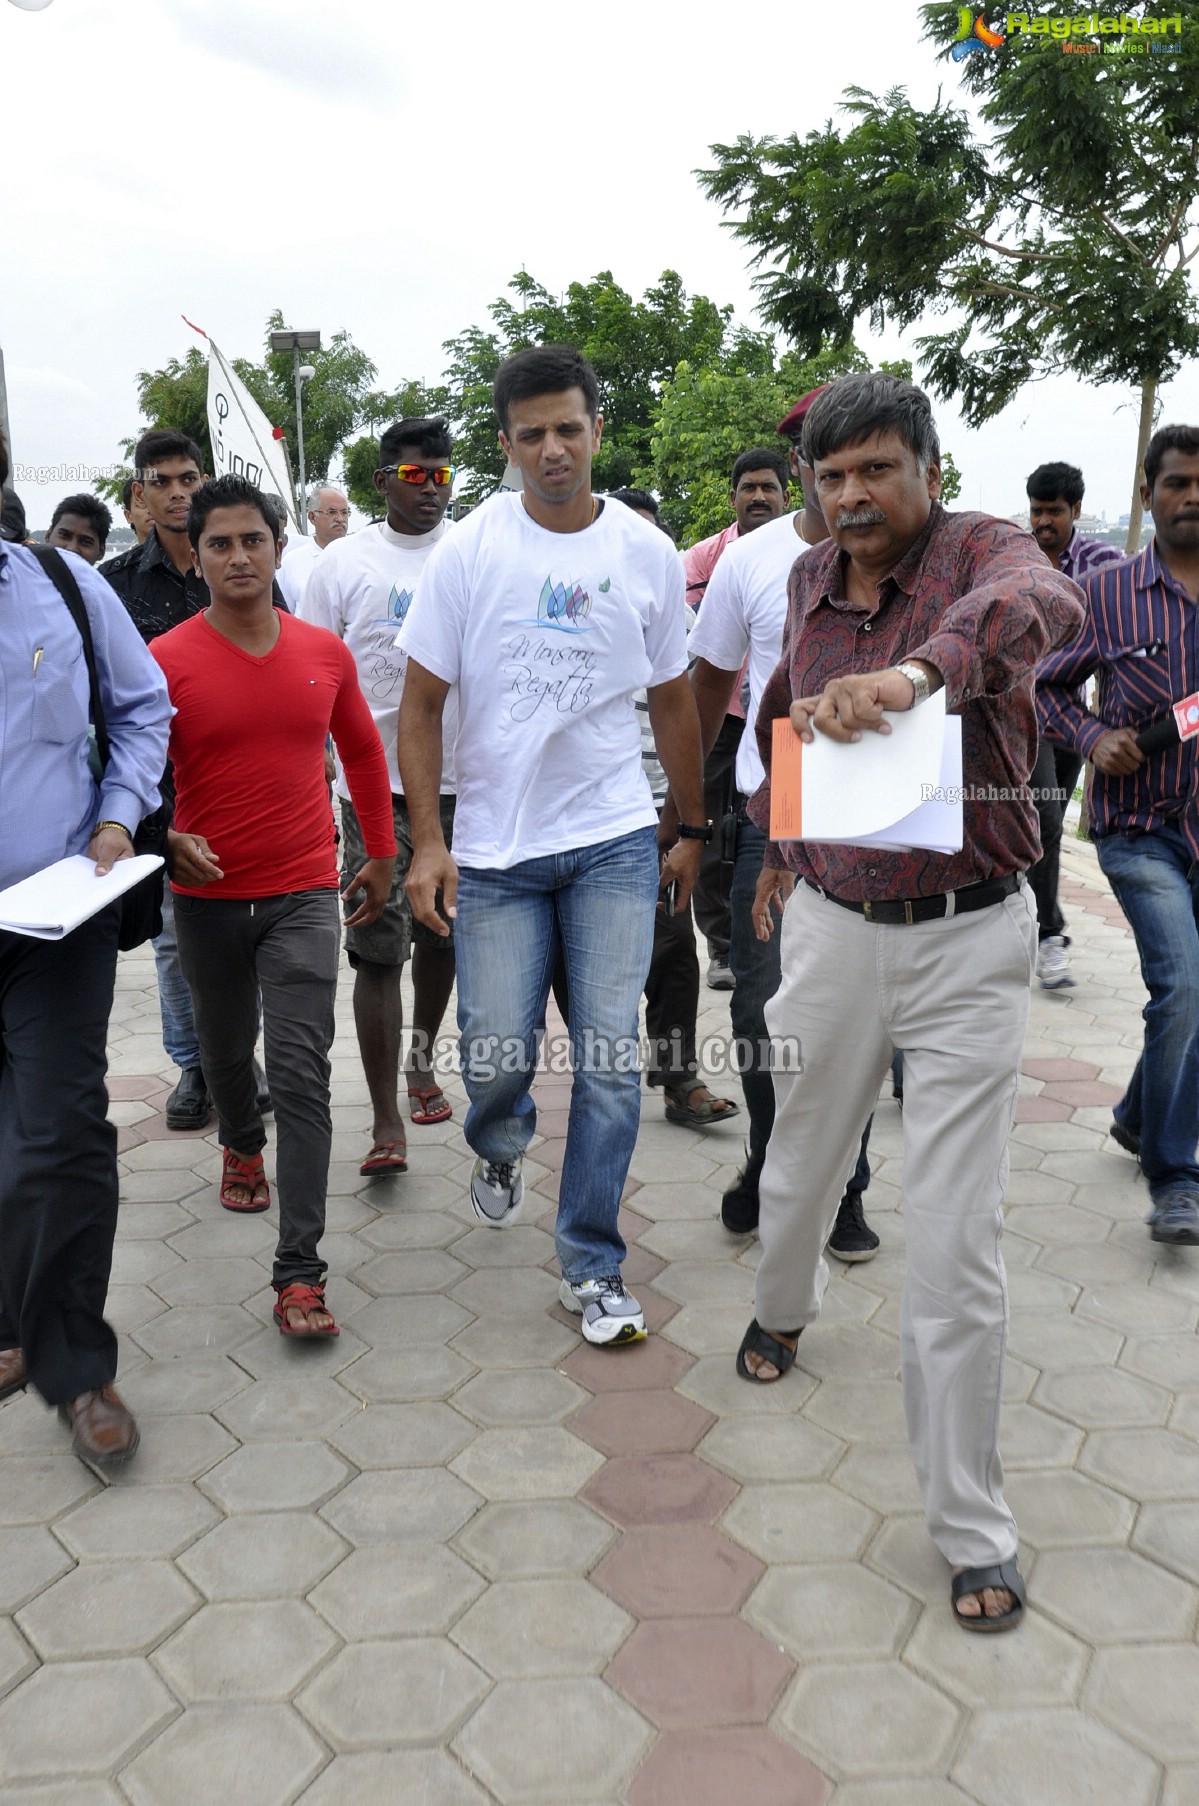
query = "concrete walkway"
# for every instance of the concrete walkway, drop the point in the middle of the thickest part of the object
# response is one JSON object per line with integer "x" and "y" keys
{"x": 457, "y": 1557}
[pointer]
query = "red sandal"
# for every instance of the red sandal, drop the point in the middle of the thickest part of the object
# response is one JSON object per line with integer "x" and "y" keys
{"x": 244, "y": 1176}
{"x": 306, "y": 1299}
{"x": 440, "y": 1112}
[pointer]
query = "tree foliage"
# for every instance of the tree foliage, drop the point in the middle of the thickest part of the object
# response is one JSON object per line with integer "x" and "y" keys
{"x": 635, "y": 347}
{"x": 1060, "y": 242}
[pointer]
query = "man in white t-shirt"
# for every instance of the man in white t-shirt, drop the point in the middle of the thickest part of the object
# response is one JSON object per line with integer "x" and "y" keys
{"x": 549, "y": 610}
{"x": 328, "y": 521}
{"x": 744, "y": 609}
{"x": 361, "y": 588}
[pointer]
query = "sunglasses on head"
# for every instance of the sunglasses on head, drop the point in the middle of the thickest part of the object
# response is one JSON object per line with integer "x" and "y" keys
{"x": 442, "y": 474}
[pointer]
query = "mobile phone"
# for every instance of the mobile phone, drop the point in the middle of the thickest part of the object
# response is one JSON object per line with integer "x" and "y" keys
{"x": 670, "y": 896}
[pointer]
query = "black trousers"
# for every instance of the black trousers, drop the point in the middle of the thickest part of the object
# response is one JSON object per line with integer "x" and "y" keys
{"x": 672, "y": 999}
{"x": 710, "y": 897}
{"x": 1056, "y": 771}
{"x": 58, "y": 1156}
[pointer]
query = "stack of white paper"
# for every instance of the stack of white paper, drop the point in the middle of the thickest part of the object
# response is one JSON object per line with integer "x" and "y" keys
{"x": 892, "y": 791}
{"x": 53, "y": 902}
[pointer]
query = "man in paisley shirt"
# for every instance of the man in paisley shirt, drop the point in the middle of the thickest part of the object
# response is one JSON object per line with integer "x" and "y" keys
{"x": 1141, "y": 638}
{"x": 928, "y": 953}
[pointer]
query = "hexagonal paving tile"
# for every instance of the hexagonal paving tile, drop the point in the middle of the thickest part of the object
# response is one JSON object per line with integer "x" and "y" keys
{"x": 1030, "y": 1437}
{"x": 597, "y": 1744}
{"x": 1043, "y": 1666}
{"x": 1148, "y": 1694}
{"x": 276, "y": 1476}
{"x": 700, "y": 1671}
{"x": 714, "y": 1383}
{"x": 1113, "y": 1596}
{"x": 522, "y": 1395}
{"x": 244, "y": 1652}
{"x": 400, "y": 1322}
{"x": 711, "y": 1767}
{"x": 414, "y": 1229}
{"x": 388, "y": 1436}
{"x": 649, "y": 1366}
{"x": 271, "y": 1555}
{"x": 107, "y": 1609}
{"x": 396, "y": 1375}
{"x": 879, "y": 1474}
{"x": 411, "y": 1270}
{"x": 658, "y": 1422}
{"x": 181, "y": 1383}
{"x": 816, "y": 1611}
{"x": 218, "y": 1753}
{"x": 80, "y": 1718}
{"x": 1062, "y": 1510}
{"x": 858, "y": 1410}
{"x": 197, "y": 1329}
{"x": 1103, "y": 1399}
{"x": 496, "y": 1343}
{"x": 399, "y": 1776}
{"x": 30, "y": 1559}
{"x": 397, "y": 1590}
{"x": 223, "y": 1279}
{"x": 416, "y": 1691}
{"x": 39, "y": 1488}
{"x": 636, "y": 1490}
{"x": 17, "y": 1659}
{"x": 869, "y": 1718}
{"x": 771, "y": 1448}
{"x": 924, "y": 1791}
{"x": 677, "y": 1570}
{"x": 422, "y": 1504}
{"x": 1013, "y": 1758}
{"x": 526, "y": 1462}
{"x": 520, "y": 1630}
{"x": 800, "y": 1523}
{"x": 1147, "y": 1464}
{"x": 299, "y": 1406}
{"x": 540, "y": 1536}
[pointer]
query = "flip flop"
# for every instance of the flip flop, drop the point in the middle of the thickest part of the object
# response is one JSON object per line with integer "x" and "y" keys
{"x": 384, "y": 1158}
{"x": 1005, "y": 1575}
{"x": 696, "y": 1116}
{"x": 439, "y": 1113}
{"x": 759, "y": 1341}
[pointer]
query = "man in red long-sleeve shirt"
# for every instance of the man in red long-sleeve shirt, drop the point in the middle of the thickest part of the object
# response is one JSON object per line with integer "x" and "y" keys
{"x": 254, "y": 867}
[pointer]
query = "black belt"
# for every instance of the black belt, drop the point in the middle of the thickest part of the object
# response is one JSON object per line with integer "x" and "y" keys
{"x": 927, "y": 909}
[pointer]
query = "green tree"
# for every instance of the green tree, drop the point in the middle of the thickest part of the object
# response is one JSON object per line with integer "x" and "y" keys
{"x": 1058, "y": 243}
{"x": 634, "y": 346}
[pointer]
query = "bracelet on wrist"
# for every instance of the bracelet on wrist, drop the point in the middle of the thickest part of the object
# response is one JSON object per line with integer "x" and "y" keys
{"x": 118, "y": 825}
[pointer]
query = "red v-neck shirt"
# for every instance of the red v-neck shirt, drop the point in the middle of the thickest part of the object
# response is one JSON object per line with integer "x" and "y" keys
{"x": 248, "y": 747}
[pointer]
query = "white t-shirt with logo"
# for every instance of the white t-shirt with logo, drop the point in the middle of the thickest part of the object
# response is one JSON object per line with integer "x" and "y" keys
{"x": 361, "y": 589}
{"x": 745, "y": 610}
{"x": 548, "y": 637}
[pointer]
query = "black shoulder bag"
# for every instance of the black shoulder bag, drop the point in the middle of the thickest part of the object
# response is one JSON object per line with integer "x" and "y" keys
{"x": 141, "y": 907}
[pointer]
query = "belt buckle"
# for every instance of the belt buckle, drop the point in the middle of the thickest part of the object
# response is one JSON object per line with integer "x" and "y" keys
{"x": 867, "y": 910}
{"x": 907, "y": 913}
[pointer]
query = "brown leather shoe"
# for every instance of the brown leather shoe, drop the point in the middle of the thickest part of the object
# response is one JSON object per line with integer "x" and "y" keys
{"x": 13, "y": 1372}
{"x": 105, "y": 1433}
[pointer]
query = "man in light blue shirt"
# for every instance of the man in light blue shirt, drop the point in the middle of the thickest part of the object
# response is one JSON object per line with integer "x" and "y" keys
{"x": 58, "y": 1171}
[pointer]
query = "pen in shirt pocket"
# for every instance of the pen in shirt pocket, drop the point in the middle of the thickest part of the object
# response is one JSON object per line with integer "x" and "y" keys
{"x": 37, "y": 657}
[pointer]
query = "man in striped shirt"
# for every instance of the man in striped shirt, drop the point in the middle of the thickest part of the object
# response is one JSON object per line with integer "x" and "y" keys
{"x": 1141, "y": 639}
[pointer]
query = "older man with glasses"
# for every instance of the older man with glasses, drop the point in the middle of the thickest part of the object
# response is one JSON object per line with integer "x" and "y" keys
{"x": 329, "y": 521}
{"x": 361, "y": 589}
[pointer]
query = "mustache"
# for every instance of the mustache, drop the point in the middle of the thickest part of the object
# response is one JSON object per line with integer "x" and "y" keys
{"x": 861, "y": 517}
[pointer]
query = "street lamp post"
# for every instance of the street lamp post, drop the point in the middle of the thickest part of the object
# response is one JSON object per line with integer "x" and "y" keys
{"x": 295, "y": 342}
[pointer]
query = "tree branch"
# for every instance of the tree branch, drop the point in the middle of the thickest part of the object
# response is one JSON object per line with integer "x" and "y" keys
{"x": 1176, "y": 218}
{"x": 1004, "y": 250}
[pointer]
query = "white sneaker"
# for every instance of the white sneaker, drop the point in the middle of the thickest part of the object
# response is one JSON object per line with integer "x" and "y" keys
{"x": 610, "y": 1314}
{"x": 1053, "y": 965}
{"x": 497, "y": 1192}
{"x": 720, "y": 977}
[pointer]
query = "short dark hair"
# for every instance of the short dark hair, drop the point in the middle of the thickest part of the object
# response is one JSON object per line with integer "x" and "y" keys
{"x": 639, "y": 498}
{"x": 543, "y": 370}
{"x": 1169, "y": 438}
{"x": 431, "y": 438}
{"x": 231, "y": 491}
{"x": 279, "y": 508}
{"x": 762, "y": 457}
{"x": 127, "y": 494}
{"x": 161, "y": 443}
{"x": 853, "y": 408}
{"x": 1049, "y": 482}
{"x": 91, "y": 508}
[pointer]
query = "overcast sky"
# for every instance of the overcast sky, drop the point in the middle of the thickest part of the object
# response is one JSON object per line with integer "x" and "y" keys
{"x": 386, "y": 168}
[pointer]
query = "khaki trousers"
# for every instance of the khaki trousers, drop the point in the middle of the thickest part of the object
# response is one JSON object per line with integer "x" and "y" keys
{"x": 953, "y": 995}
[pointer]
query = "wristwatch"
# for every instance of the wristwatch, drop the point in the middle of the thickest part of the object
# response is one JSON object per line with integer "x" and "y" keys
{"x": 704, "y": 833}
{"x": 918, "y": 680}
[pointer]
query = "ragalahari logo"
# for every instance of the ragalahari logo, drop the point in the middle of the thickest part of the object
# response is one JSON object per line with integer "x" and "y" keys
{"x": 973, "y": 34}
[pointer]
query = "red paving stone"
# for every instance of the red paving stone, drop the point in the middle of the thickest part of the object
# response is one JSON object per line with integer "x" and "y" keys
{"x": 130, "y": 1089}
{"x": 726, "y": 1768}
{"x": 699, "y": 1671}
{"x": 550, "y": 1154}
{"x": 640, "y": 1266}
{"x": 680, "y": 1570}
{"x": 128, "y": 1138}
{"x": 632, "y": 1227}
{"x": 552, "y": 1123}
{"x": 1042, "y": 1109}
{"x": 1059, "y": 1069}
{"x": 662, "y": 1423}
{"x": 1078, "y": 1093}
{"x": 642, "y": 1367}
{"x": 549, "y": 1186}
{"x": 635, "y": 1490}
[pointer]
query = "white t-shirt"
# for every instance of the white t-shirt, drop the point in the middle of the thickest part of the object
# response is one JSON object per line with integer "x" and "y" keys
{"x": 361, "y": 589}
{"x": 296, "y": 566}
{"x": 548, "y": 637}
{"x": 745, "y": 610}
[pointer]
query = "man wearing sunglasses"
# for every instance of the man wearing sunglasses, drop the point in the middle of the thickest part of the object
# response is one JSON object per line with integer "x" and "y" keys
{"x": 361, "y": 589}
{"x": 328, "y": 519}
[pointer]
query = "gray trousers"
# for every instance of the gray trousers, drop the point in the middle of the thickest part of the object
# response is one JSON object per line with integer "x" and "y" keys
{"x": 953, "y": 996}
{"x": 288, "y": 948}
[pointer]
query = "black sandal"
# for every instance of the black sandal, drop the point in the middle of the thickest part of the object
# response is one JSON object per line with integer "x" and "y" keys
{"x": 759, "y": 1341}
{"x": 973, "y": 1580}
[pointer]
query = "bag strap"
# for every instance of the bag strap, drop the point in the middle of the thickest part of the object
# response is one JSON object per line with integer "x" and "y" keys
{"x": 63, "y": 579}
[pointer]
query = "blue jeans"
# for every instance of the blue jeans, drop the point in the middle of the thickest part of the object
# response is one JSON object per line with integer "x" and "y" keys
{"x": 597, "y": 904}
{"x": 756, "y": 966}
{"x": 179, "y": 1037}
{"x": 1156, "y": 883}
